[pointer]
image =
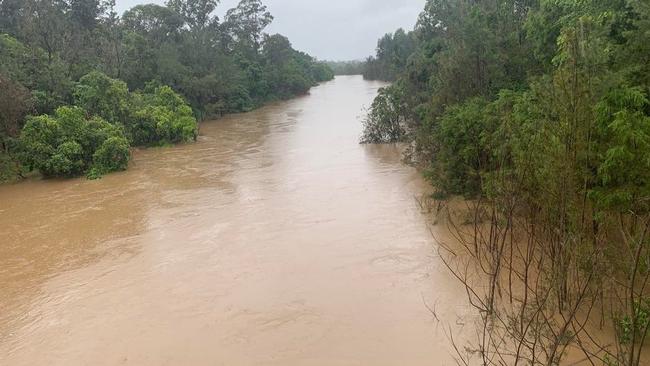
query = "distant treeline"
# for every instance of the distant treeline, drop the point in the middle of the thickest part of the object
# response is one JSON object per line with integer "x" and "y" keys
{"x": 347, "y": 67}
{"x": 143, "y": 78}
{"x": 392, "y": 53}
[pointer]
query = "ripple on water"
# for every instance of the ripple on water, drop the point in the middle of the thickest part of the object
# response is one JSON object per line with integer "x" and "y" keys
{"x": 276, "y": 239}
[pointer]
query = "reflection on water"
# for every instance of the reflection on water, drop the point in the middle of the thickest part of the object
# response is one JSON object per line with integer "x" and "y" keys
{"x": 275, "y": 240}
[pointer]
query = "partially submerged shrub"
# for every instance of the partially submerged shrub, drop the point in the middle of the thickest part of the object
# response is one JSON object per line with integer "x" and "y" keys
{"x": 385, "y": 122}
{"x": 112, "y": 155}
{"x": 163, "y": 118}
{"x": 67, "y": 144}
{"x": 158, "y": 116}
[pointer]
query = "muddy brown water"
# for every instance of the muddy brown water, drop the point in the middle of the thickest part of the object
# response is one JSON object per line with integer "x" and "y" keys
{"x": 276, "y": 239}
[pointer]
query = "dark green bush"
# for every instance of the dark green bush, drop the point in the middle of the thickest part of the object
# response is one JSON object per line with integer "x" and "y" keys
{"x": 102, "y": 96}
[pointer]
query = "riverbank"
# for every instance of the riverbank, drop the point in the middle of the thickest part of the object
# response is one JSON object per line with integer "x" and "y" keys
{"x": 172, "y": 129}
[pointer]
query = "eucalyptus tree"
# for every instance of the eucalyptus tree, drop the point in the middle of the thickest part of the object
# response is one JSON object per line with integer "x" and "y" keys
{"x": 245, "y": 24}
{"x": 197, "y": 14}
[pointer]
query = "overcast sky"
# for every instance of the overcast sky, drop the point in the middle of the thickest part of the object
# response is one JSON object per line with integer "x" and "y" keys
{"x": 330, "y": 29}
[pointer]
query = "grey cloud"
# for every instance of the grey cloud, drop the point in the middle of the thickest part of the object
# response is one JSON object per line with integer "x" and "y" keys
{"x": 330, "y": 29}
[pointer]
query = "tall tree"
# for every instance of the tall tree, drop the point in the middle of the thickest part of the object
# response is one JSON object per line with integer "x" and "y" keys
{"x": 246, "y": 22}
{"x": 197, "y": 14}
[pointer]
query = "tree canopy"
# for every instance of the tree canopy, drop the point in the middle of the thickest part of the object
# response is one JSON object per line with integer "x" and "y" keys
{"x": 536, "y": 111}
{"x": 153, "y": 71}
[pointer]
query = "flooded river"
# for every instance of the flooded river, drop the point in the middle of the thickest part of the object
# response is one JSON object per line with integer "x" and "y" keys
{"x": 276, "y": 239}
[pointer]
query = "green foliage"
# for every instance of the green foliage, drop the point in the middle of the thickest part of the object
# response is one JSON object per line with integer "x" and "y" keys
{"x": 163, "y": 118}
{"x": 464, "y": 155}
{"x": 158, "y": 116}
{"x": 452, "y": 71}
{"x": 287, "y": 71}
{"x": 10, "y": 170}
{"x": 539, "y": 110}
{"x": 636, "y": 326}
{"x": 244, "y": 25}
{"x": 347, "y": 67}
{"x": 111, "y": 156}
{"x": 321, "y": 71}
{"x": 623, "y": 172}
{"x": 56, "y": 53}
{"x": 30, "y": 68}
{"x": 102, "y": 96}
{"x": 393, "y": 51}
{"x": 385, "y": 121}
{"x": 15, "y": 104}
{"x": 67, "y": 144}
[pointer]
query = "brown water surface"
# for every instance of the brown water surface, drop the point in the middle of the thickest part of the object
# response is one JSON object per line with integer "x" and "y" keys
{"x": 275, "y": 240}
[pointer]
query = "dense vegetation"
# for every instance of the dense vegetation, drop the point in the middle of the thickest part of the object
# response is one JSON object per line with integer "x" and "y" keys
{"x": 347, "y": 67}
{"x": 537, "y": 111}
{"x": 145, "y": 77}
{"x": 393, "y": 51}
{"x": 69, "y": 144}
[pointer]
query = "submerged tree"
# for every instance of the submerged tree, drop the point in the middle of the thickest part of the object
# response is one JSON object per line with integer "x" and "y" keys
{"x": 537, "y": 113}
{"x": 68, "y": 144}
{"x": 385, "y": 121}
